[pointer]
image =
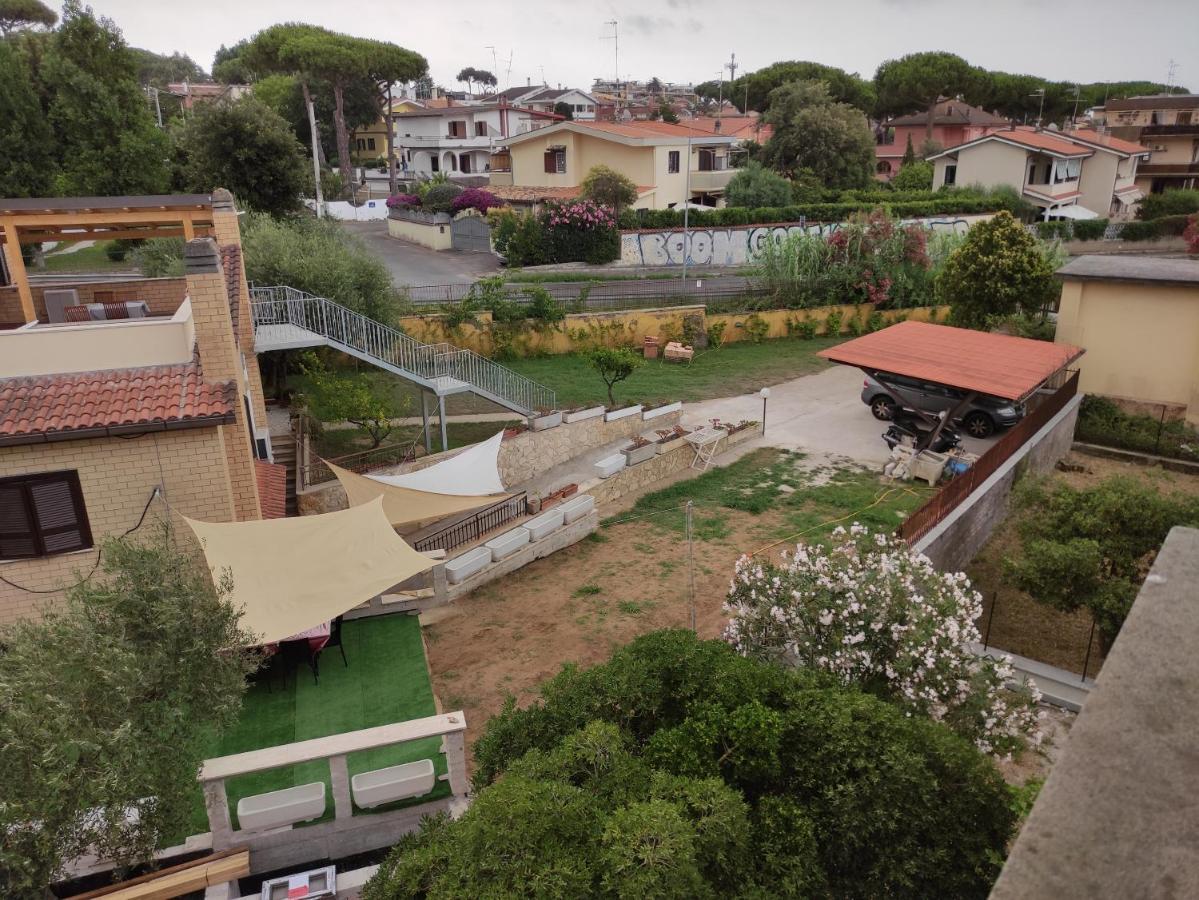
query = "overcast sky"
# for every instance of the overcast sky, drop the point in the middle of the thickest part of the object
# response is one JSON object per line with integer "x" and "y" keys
{"x": 690, "y": 40}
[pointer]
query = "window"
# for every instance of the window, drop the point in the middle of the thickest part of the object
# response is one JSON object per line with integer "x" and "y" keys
{"x": 555, "y": 161}
{"x": 951, "y": 174}
{"x": 579, "y": 108}
{"x": 480, "y": 129}
{"x": 883, "y": 167}
{"x": 457, "y": 129}
{"x": 463, "y": 162}
{"x": 370, "y": 143}
{"x": 41, "y": 515}
{"x": 434, "y": 166}
{"x": 361, "y": 144}
{"x": 672, "y": 161}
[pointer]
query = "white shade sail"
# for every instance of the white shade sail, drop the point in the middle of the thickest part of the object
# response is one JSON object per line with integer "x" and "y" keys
{"x": 473, "y": 472}
{"x": 291, "y": 574}
{"x": 406, "y": 506}
{"x": 1073, "y": 211}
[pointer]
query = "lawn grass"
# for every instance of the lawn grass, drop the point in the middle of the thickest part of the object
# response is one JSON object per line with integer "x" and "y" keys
{"x": 386, "y": 681}
{"x": 89, "y": 260}
{"x": 734, "y": 369}
{"x": 817, "y": 502}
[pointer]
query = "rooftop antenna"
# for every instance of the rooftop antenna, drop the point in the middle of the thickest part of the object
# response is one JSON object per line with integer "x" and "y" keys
{"x": 732, "y": 66}
{"x": 615, "y": 39}
{"x": 1039, "y": 92}
{"x": 495, "y": 66}
{"x": 543, "y": 83}
{"x": 1171, "y": 70}
{"x": 508, "y": 74}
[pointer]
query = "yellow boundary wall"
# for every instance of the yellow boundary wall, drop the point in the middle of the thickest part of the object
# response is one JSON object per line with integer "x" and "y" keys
{"x": 629, "y": 328}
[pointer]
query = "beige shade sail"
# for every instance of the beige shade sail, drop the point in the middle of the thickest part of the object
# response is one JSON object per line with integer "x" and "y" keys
{"x": 474, "y": 472}
{"x": 407, "y": 506}
{"x": 291, "y": 574}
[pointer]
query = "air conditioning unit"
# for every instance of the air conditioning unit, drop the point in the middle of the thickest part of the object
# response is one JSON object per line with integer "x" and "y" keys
{"x": 310, "y": 885}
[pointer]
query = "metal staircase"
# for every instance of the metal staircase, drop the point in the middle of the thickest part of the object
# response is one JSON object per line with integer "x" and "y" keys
{"x": 288, "y": 319}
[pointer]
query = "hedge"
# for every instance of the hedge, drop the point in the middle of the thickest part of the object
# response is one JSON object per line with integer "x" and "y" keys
{"x": 1101, "y": 422}
{"x": 1154, "y": 228}
{"x": 811, "y": 212}
{"x": 1081, "y": 230}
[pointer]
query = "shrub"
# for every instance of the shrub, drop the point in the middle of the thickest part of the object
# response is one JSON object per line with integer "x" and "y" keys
{"x": 580, "y": 230}
{"x": 1168, "y": 203}
{"x": 160, "y": 257}
{"x": 542, "y": 305}
{"x": 1152, "y": 229}
{"x": 404, "y": 201}
{"x": 755, "y": 186}
{"x": 1100, "y": 421}
{"x": 1191, "y": 234}
{"x": 475, "y": 198}
{"x": 1090, "y": 229}
{"x": 756, "y": 328}
{"x": 914, "y": 176}
{"x": 609, "y": 188}
{"x": 440, "y": 198}
{"x": 614, "y": 365}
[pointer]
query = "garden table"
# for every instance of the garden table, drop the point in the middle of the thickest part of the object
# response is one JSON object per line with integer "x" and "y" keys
{"x": 317, "y": 637}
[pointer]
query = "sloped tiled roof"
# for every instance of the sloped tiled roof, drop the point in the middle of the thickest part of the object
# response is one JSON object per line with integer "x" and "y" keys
{"x": 80, "y": 404}
{"x": 272, "y": 488}
{"x": 1154, "y": 101}
{"x": 1047, "y": 141}
{"x": 1090, "y": 136}
{"x": 951, "y": 112}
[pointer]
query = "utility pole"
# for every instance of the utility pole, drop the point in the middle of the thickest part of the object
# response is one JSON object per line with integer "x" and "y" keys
{"x": 690, "y": 565}
{"x": 719, "y": 93}
{"x": 1039, "y": 92}
{"x": 495, "y": 66}
{"x": 686, "y": 211}
{"x": 1077, "y": 92}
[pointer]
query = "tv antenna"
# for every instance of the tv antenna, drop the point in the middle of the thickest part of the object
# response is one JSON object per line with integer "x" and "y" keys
{"x": 732, "y": 66}
{"x": 1171, "y": 71}
{"x": 615, "y": 39}
{"x": 495, "y": 66}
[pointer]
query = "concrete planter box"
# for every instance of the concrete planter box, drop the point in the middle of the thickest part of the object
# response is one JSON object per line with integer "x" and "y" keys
{"x": 577, "y": 507}
{"x": 414, "y": 779}
{"x": 673, "y": 443}
{"x": 548, "y": 420}
{"x": 610, "y": 465}
{"x": 662, "y": 410}
{"x": 507, "y": 543}
{"x": 581, "y": 415}
{"x": 276, "y": 809}
{"x": 462, "y": 567}
{"x": 544, "y": 524}
{"x": 622, "y": 413}
{"x": 636, "y": 455}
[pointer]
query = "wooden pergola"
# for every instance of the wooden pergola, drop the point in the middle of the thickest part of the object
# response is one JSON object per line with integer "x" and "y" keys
{"x": 31, "y": 221}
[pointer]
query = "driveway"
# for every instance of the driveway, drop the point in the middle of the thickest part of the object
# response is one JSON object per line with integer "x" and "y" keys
{"x": 410, "y": 264}
{"x": 819, "y": 414}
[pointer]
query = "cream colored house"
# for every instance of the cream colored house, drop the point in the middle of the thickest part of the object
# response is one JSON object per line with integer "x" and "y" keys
{"x": 1168, "y": 126}
{"x": 1138, "y": 319}
{"x": 662, "y": 159}
{"x": 1079, "y": 174}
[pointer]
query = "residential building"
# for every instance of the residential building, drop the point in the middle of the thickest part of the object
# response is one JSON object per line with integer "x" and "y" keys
{"x": 583, "y": 106}
{"x": 460, "y": 138}
{"x": 1077, "y": 174}
{"x": 954, "y": 122}
{"x": 1168, "y": 126}
{"x": 662, "y": 159}
{"x": 158, "y": 389}
{"x": 1138, "y": 318}
{"x": 205, "y": 92}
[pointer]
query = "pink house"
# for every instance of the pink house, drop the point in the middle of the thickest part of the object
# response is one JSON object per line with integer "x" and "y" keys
{"x": 955, "y": 122}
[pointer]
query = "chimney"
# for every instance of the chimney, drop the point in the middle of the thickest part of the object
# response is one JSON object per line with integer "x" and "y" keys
{"x": 528, "y": 81}
{"x": 716, "y": 127}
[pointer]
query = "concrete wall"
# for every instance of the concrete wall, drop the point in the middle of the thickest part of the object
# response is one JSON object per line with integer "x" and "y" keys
{"x": 957, "y": 539}
{"x": 990, "y": 164}
{"x": 1098, "y": 182}
{"x": 1142, "y": 340}
{"x": 738, "y": 245}
{"x": 434, "y": 236}
{"x": 117, "y": 476}
{"x": 161, "y": 295}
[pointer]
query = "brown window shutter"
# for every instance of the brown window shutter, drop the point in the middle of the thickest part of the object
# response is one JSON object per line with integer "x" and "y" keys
{"x": 17, "y": 535}
{"x": 551, "y": 164}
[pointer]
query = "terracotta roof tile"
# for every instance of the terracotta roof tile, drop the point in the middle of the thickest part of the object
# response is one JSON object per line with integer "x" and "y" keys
{"x": 951, "y": 112}
{"x": 79, "y": 401}
{"x": 231, "y": 266}
{"x": 272, "y": 488}
{"x": 1091, "y": 136}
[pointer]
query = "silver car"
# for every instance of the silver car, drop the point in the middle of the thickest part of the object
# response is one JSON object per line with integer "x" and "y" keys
{"x": 980, "y": 419}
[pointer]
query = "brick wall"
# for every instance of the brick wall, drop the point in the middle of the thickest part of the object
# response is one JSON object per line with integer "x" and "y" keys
{"x": 117, "y": 476}
{"x": 162, "y": 295}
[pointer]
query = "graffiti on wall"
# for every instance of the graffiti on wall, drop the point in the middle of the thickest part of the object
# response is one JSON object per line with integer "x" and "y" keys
{"x": 736, "y": 246}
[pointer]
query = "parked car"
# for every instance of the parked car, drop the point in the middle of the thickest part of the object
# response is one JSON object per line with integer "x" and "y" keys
{"x": 980, "y": 418}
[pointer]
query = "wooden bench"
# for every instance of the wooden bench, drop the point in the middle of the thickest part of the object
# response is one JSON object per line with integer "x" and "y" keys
{"x": 403, "y": 782}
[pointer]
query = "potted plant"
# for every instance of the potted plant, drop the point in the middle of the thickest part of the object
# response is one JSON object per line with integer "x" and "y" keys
{"x": 639, "y": 451}
{"x": 580, "y": 414}
{"x": 671, "y": 438}
{"x": 542, "y": 420}
{"x": 613, "y": 414}
{"x": 662, "y": 410}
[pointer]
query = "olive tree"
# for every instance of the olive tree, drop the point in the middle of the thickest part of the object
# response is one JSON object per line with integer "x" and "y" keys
{"x": 108, "y": 704}
{"x": 614, "y": 365}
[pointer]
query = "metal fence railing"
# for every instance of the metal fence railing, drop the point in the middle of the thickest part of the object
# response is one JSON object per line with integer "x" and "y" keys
{"x": 315, "y": 471}
{"x": 475, "y": 526}
{"x": 942, "y": 503}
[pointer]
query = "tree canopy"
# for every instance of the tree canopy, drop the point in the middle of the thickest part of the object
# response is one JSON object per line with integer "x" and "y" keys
{"x": 89, "y": 736}
{"x": 755, "y": 186}
{"x": 916, "y": 81}
{"x": 813, "y": 131}
{"x": 614, "y": 365}
{"x": 16, "y": 14}
{"x": 608, "y": 187}
{"x": 244, "y": 146}
{"x": 998, "y": 271}
{"x": 473, "y": 76}
{"x": 679, "y": 769}
{"x": 160, "y": 69}
{"x": 843, "y": 86}
{"x": 25, "y": 138}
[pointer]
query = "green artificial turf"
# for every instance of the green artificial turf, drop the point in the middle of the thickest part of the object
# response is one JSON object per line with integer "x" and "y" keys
{"x": 386, "y": 681}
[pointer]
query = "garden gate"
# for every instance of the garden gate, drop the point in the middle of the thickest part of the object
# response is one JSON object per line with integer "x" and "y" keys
{"x": 470, "y": 233}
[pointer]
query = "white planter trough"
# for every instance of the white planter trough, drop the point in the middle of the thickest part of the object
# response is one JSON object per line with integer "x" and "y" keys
{"x": 610, "y": 465}
{"x": 507, "y": 543}
{"x": 636, "y": 455}
{"x": 662, "y": 410}
{"x": 549, "y": 420}
{"x": 577, "y": 507}
{"x": 581, "y": 415}
{"x": 623, "y": 413}
{"x": 275, "y": 809}
{"x": 467, "y": 564}
{"x": 544, "y": 524}
{"x": 414, "y": 779}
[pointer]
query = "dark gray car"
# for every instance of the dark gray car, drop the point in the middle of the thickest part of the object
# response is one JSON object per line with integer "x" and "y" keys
{"x": 979, "y": 419}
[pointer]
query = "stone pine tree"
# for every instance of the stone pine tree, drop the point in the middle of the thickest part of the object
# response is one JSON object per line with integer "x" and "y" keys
{"x": 917, "y": 81}
{"x": 107, "y": 139}
{"x": 386, "y": 65}
{"x": 16, "y": 14}
{"x": 25, "y": 139}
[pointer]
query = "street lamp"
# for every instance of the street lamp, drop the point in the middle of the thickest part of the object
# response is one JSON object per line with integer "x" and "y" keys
{"x": 764, "y": 393}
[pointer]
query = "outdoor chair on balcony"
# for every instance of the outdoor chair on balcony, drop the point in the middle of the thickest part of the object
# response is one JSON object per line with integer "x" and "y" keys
{"x": 77, "y": 314}
{"x": 335, "y": 640}
{"x": 294, "y": 654}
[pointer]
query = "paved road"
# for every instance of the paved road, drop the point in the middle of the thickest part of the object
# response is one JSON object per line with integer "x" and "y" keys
{"x": 410, "y": 264}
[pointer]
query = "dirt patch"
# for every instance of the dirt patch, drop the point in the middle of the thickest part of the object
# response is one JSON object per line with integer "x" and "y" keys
{"x": 1012, "y": 620}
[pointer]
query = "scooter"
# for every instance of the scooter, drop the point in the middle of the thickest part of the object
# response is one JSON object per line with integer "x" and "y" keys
{"x": 897, "y": 432}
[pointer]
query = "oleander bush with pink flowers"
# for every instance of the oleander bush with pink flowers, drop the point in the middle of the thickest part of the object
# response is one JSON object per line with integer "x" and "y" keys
{"x": 571, "y": 231}
{"x": 874, "y": 613}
